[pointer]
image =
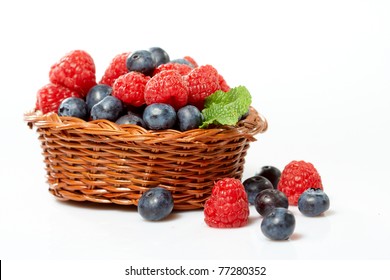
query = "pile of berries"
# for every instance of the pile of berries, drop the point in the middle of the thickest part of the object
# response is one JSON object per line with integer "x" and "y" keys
{"x": 144, "y": 88}
{"x": 271, "y": 192}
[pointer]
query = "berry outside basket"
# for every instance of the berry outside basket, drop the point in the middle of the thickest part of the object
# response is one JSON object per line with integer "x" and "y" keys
{"x": 102, "y": 162}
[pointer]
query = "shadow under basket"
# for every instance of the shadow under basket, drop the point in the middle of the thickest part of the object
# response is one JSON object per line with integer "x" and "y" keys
{"x": 103, "y": 162}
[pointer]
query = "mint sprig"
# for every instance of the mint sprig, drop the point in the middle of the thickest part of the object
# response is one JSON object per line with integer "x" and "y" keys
{"x": 226, "y": 108}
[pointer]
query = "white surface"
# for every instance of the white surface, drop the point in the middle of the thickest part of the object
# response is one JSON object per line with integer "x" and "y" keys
{"x": 319, "y": 71}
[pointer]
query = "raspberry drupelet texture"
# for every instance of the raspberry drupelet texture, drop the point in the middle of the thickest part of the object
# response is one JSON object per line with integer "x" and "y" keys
{"x": 116, "y": 69}
{"x": 167, "y": 87}
{"x": 228, "y": 205}
{"x": 201, "y": 82}
{"x": 130, "y": 88}
{"x": 222, "y": 83}
{"x": 183, "y": 69}
{"x": 297, "y": 177}
{"x": 76, "y": 71}
{"x": 50, "y": 96}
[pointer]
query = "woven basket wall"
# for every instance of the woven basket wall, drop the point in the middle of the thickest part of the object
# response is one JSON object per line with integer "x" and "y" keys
{"x": 102, "y": 162}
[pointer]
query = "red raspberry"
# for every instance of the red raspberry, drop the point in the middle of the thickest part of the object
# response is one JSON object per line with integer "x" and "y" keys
{"x": 116, "y": 69}
{"x": 130, "y": 88}
{"x": 191, "y": 60}
{"x": 167, "y": 87}
{"x": 50, "y": 97}
{"x": 222, "y": 83}
{"x": 76, "y": 71}
{"x": 183, "y": 69}
{"x": 297, "y": 177}
{"x": 228, "y": 205}
{"x": 201, "y": 82}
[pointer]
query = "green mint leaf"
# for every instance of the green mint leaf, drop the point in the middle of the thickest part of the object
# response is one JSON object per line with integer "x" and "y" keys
{"x": 226, "y": 108}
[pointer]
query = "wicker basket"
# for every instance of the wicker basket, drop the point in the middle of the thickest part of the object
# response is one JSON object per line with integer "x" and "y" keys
{"x": 103, "y": 162}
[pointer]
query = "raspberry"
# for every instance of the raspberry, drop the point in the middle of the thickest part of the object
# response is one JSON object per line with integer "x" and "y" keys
{"x": 183, "y": 69}
{"x": 222, "y": 83}
{"x": 130, "y": 88}
{"x": 76, "y": 71}
{"x": 191, "y": 60}
{"x": 50, "y": 97}
{"x": 116, "y": 69}
{"x": 228, "y": 205}
{"x": 167, "y": 87}
{"x": 297, "y": 177}
{"x": 201, "y": 82}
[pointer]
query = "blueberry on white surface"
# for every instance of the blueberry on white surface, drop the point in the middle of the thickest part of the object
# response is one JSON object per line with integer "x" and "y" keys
{"x": 313, "y": 202}
{"x": 254, "y": 185}
{"x": 279, "y": 224}
{"x": 271, "y": 173}
{"x": 269, "y": 199}
{"x": 155, "y": 204}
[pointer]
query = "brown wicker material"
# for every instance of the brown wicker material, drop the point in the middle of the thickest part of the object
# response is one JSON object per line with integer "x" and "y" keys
{"x": 103, "y": 162}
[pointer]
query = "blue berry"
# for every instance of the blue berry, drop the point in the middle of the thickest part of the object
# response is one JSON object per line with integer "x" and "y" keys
{"x": 271, "y": 173}
{"x": 159, "y": 55}
{"x": 269, "y": 199}
{"x": 313, "y": 202}
{"x": 189, "y": 117}
{"x": 73, "y": 107}
{"x": 110, "y": 108}
{"x": 254, "y": 185}
{"x": 131, "y": 119}
{"x": 141, "y": 61}
{"x": 159, "y": 116}
{"x": 155, "y": 204}
{"x": 182, "y": 61}
{"x": 279, "y": 224}
{"x": 97, "y": 94}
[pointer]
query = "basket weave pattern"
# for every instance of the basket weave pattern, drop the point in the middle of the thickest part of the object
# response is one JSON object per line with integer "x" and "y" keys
{"x": 103, "y": 162}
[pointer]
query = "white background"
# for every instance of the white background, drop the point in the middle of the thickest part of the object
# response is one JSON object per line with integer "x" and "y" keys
{"x": 319, "y": 71}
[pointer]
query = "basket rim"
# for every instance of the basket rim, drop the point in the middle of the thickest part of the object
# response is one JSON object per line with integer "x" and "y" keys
{"x": 253, "y": 124}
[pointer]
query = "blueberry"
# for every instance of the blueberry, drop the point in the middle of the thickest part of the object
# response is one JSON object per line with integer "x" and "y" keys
{"x": 269, "y": 199}
{"x": 155, "y": 204}
{"x": 182, "y": 61}
{"x": 141, "y": 61}
{"x": 159, "y": 116}
{"x": 96, "y": 94}
{"x": 313, "y": 202}
{"x": 73, "y": 107}
{"x": 159, "y": 55}
{"x": 271, "y": 173}
{"x": 131, "y": 119}
{"x": 254, "y": 185}
{"x": 189, "y": 117}
{"x": 279, "y": 224}
{"x": 135, "y": 110}
{"x": 110, "y": 108}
